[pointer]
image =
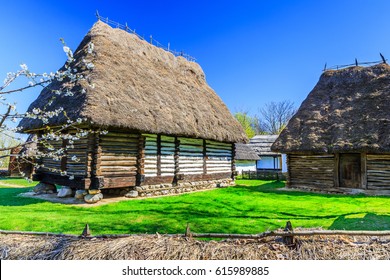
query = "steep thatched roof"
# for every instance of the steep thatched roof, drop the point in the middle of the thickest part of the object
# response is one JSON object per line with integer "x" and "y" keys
{"x": 135, "y": 85}
{"x": 347, "y": 111}
{"x": 262, "y": 144}
{"x": 245, "y": 152}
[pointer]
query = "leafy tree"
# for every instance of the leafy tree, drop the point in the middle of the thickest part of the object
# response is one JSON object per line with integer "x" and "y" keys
{"x": 246, "y": 122}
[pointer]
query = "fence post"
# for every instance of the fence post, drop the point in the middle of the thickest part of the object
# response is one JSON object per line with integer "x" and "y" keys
{"x": 288, "y": 239}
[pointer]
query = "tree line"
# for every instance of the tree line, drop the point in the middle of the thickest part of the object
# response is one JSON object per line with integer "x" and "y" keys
{"x": 272, "y": 118}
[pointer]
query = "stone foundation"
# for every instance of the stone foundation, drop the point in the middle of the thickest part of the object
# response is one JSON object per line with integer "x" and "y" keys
{"x": 169, "y": 189}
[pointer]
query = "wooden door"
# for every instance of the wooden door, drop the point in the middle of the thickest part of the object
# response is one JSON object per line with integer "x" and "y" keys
{"x": 350, "y": 171}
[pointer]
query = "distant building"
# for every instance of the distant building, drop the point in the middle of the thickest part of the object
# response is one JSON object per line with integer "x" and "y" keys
{"x": 246, "y": 158}
{"x": 269, "y": 160}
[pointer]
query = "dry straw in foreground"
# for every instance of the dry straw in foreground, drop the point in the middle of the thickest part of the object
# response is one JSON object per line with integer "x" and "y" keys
{"x": 160, "y": 247}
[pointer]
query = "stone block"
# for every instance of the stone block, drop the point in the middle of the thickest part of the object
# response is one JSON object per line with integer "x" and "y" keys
{"x": 93, "y": 198}
{"x": 65, "y": 192}
{"x": 80, "y": 194}
{"x": 43, "y": 188}
{"x": 131, "y": 194}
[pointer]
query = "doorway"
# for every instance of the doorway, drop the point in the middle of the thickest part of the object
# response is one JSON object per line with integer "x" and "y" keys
{"x": 350, "y": 171}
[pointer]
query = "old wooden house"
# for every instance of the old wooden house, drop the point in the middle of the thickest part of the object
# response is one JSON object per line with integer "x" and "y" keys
{"x": 245, "y": 158}
{"x": 167, "y": 130}
{"x": 269, "y": 160}
{"x": 339, "y": 139}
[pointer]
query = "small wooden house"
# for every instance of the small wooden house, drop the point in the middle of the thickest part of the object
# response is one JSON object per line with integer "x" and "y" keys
{"x": 269, "y": 160}
{"x": 167, "y": 130}
{"x": 339, "y": 140}
{"x": 245, "y": 158}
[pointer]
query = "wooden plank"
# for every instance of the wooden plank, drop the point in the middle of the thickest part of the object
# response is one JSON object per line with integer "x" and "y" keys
{"x": 159, "y": 155}
{"x": 119, "y": 182}
{"x": 218, "y": 144}
{"x": 119, "y": 163}
{"x": 118, "y": 134}
{"x": 105, "y": 157}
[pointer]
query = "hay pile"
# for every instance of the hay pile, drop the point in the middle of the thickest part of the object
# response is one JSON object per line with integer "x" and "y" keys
{"x": 160, "y": 247}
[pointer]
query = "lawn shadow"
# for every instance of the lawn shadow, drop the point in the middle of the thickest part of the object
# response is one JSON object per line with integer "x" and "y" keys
{"x": 12, "y": 197}
{"x": 278, "y": 187}
{"x": 367, "y": 222}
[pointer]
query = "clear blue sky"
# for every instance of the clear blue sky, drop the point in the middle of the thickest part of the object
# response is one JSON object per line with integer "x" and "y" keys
{"x": 252, "y": 52}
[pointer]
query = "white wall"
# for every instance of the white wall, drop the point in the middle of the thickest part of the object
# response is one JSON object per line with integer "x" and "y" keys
{"x": 245, "y": 166}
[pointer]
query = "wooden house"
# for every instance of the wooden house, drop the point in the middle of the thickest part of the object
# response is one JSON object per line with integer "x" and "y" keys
{"x": 245, "y": 158}
{"x": 269, "y": 160}
{"x": 339, "y": 139}
{"x": 167, "y": 130}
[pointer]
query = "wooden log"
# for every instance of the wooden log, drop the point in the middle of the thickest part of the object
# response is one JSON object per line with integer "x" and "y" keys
{"x": 190, "y": 141}
{"x": 118, "y": 134}
{"x": 119, "y": 163}
{"x": 130, "y": 157}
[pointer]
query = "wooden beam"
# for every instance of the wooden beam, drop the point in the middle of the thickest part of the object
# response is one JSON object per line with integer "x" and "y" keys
{"x": 176, "y": 157}
{"x": 233, "y": 161}
{"x": 64, "y": 158}
{"x": 363, "y": 170}
{"x": 204, "y": 157}
{"x": 158, "y": 155}
{"x": 140, "y": 160}
{"x": 336, "y": 173}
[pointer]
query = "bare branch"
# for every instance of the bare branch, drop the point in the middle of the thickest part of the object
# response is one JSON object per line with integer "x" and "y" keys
{"x": 5, "y": 115}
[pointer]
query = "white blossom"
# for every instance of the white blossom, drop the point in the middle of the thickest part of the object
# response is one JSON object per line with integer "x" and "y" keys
{"x": 90, "y": 65}
{"x": 24, "y": 67}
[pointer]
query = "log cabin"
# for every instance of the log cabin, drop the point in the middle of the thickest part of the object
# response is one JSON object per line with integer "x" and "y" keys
{"x": 338, "y": 141}
{"x": 245, "y": 158}
{"x": 269, "y": 160}
{"x": 157, "y": 126}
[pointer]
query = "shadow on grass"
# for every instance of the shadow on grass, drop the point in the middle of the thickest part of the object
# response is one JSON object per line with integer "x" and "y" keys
{"x": 10, "y": 197}
{"x": 367, "y": 222}
{"x": 277, "y": 187}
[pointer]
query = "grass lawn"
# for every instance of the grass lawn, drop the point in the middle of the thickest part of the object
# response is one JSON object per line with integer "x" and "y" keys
{"x": 251, "y": 207}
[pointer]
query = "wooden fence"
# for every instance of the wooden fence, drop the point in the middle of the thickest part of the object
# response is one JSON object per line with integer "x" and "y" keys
{"x": 264, "y": 175}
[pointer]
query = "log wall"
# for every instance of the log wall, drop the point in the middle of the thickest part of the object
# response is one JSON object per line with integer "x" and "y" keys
{"x": 150, "y": 163}
{"x": 191, "y": 156}
{"x": 311, "y": 171}
{"x": 118, "y": 159}
{"x": 76, "y": 162}
{"x": 167, "y": 161}
{"x": 378, "y": 172}
{"x": 51, "y": 162}
{"x": 218, "y": 157}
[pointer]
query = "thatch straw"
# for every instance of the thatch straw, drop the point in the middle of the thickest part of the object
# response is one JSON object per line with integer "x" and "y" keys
{"x": 347, "y": 111}
{"x": 135, "y": 85}
{"x": 159, "y": 247}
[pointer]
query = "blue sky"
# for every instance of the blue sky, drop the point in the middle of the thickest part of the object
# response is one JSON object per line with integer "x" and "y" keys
{"x": 252, "y": 52}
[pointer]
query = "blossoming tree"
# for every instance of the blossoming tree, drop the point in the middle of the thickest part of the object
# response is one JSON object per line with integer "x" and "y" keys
{"x": 27, "y": 153}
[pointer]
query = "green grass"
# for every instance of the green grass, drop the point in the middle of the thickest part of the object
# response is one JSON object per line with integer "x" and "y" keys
{"x": 250, "y": 207}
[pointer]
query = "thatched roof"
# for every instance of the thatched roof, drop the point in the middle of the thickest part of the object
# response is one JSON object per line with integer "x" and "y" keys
{"x": 262, "y": 144}
{"x": 245, "y": 152}
{"x": 347, "y": 111}
{"x": 135, "y": 85}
